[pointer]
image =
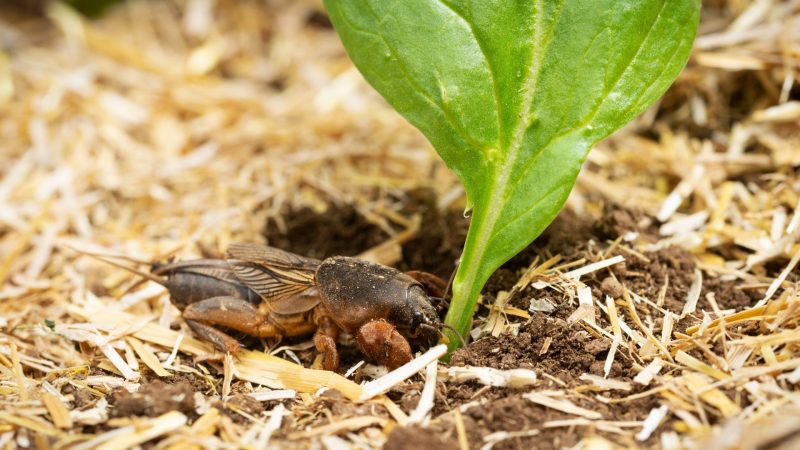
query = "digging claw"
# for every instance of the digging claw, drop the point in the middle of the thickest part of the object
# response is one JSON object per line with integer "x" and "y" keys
{"x": 382, "y": 342}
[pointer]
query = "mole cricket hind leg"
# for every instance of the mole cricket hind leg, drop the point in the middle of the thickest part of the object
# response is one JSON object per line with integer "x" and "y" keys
{"x": 219, "y": 339}
{"x": 233, "y": 313}
{"x": 325, "y": 343}
{"x": 433, "y": 285}
{"x": 381, "y": 341}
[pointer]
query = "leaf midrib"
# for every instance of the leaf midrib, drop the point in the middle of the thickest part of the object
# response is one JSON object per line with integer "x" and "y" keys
{"x": 498, "y": 189}
{"x": 592, "y": 114}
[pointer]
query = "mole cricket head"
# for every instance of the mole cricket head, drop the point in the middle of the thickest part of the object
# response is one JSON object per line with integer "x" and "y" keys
{"x": 416, "y": 318}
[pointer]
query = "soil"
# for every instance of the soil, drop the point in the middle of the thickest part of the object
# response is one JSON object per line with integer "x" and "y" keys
{"x": 154, "y": 399}
{"x": 415, "y": 437}
{"x": 342, "y": 230}
{"x": 546, "y": 343}
{"x": 558, "y": 351}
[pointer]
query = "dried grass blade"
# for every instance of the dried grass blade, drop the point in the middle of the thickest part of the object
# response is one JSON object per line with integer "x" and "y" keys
{"x": 562, "y": 405}
{"x": 58, "y": 411}
{"x": 148, "y": 357}
{"x": 349, "y": 424}
{"x": 152, "y": 429}
{"x": 699, "y": 366}
{"x": 386, "y": 382}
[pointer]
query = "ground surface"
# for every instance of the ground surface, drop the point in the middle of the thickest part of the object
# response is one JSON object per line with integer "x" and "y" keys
{"x": 658, "y": 310}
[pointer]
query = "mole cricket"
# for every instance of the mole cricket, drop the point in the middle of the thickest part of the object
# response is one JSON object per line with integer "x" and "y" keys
{"x": 266, "y": 292}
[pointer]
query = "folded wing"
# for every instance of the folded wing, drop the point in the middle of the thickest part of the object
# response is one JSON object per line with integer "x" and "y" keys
{"x": 284, "y": 280}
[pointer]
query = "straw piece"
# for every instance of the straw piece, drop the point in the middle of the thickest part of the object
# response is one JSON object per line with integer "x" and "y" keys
{"x": 29, "y": 423}
{"x": 141, "y": 433}
{"x": 779, "y": 113}
{"x": 605, "y": 383}
{"x": 147, "y": 356}
{"x": 227, "y": 375}
{"x": 425, "y": 404}
{"x": 397, "y": 414}
{"x": 612, "y": 353}
{"x": 754, "y": 313}
{"x": 561, "y": 405}
{"x": 611, "y": 309}
{"x": 700, "y": 385}
{"x": 19, "y": 375}
{"x": 348, "y": 424}
{"x": 638, "y": 321}
{"x": 492, "y": 377}
{"x": 493, "y": 438}
{"x": 58, "y": 411}
{"x": 649, "y": 372}
{"x": 206, "y": 425}
{"x": 594, "y": 267}
{"x": 397, "y": 376}
{"x": 694, "y": 294}
{"x": 783, "y": 275}
{"x": 681, "y": 191}
{"x": 695, "y": 364}
{"x": 119, "y": 363}
{"x": 652, "y": 422}
{"x": 273, "y": 394}
{"x": 272, "y": 425}
{"x": 461, "y": 430}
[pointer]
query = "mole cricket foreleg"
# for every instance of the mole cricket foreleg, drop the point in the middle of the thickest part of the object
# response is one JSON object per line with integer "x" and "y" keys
{"x": 380, "y": 341}
{"x": 325, "y": 343}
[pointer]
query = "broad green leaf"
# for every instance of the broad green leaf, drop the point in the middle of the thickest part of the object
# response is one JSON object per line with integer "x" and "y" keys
{"x": 513, "y": 94}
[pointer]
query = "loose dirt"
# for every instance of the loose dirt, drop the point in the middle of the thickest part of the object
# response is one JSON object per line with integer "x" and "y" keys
{"x": 547, "y": 343}
{"x": 154, "y": 399}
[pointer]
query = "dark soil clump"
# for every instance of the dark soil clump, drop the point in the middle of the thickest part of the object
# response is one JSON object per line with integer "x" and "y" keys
{"x": 154, "y": 399}
{"x": 339, "y": 230}
{"x": 414, "y": 437}
{"x": 238, "y": 406}
{"x": 437, "y": 248}
{"x": 342, "y": 230}
{"x": 544, "y": 343}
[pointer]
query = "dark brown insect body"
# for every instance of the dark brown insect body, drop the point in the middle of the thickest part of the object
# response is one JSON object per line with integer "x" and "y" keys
{"x": 266, "y": 292}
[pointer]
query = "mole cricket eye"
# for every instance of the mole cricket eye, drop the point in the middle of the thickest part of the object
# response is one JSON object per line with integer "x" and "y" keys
{"x": 417, "y": 320}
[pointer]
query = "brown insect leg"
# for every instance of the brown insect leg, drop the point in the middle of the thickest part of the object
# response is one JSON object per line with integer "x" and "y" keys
{"x": 222, "y": 341}
{"x": 433, "y": 285}
{"x": 233, "y": 313}
{"x": 382, "y": 342}
{"x": 325, "y": 342}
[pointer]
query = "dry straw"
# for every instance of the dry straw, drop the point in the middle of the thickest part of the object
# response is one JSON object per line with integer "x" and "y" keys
{"x": 178, "y": 127}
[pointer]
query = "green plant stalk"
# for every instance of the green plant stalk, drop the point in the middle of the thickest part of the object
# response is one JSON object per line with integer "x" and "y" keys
{"x": 469, "y": 279}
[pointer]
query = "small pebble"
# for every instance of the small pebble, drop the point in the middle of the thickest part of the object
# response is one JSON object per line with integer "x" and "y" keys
{"x": 611, "y": 287}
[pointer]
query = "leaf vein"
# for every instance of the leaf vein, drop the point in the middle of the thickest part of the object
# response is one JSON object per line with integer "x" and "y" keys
{"x": 599, "y": 105}
{"x": 528, "y": 210}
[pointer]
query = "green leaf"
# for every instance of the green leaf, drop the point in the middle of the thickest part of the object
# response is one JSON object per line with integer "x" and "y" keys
{"x": 513, "y": 94}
